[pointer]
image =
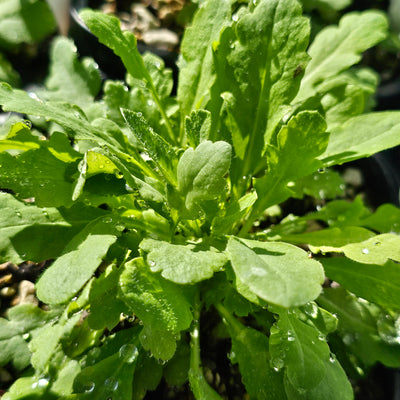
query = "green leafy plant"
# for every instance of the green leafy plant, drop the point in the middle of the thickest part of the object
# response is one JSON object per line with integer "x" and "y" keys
{"x": 161, "y": 210}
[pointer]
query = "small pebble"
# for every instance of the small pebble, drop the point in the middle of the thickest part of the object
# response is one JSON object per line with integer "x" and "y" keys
{"x": 7, "y": 291}
{"x": 161, "y": 39}
{"x": 26, "y": 292}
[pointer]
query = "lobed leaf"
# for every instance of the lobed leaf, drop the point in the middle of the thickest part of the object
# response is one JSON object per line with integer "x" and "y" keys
{"x": 31, "y": 233}
{"x": 201, "y": 173}
{"x": 259, "y": 64}
{"x": 277, "y": 272}
{"x": 196, "y": 75}
{"x": 360, "y": 327}
{"x": 160, "y": 304}
{"x": 362, "y": 136}
{"x": 80, "y": 259}
{"x": 184, "y": 264}
{"x": 376, "y": 283}
{"x": 336, "y": 48}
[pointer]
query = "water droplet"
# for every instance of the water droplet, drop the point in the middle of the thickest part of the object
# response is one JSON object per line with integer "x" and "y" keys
{"x": 389, "y": 329}
{"x": 119, "y": 227}
{"x": 365, "y": 251}
{"x": 128, "y": 353}
{"x": 41, "y": 383}
{"x": 87, "y": 387}
{"x": 311, "y": 309}
{"x": 151, "y": 263}
{"x": 150, "y": 103}
{"x": 377, "y": 243}
{"x": 108, "y": 220}
{"x": 321, "y": 170}
{"x": 139, "y": 114}
{"x": 27, "y": 123}
{"x": 332, "y": 359}
{"x": 119, "y": 175}
{"x": 321, "y": 337}
{"x": 235, "y": 17}
{"x": 26, "y": 336}
{"x": 101, "y": 166}
{"x": 277, "y": 363}
{"x": 18, "y": 214}
{"x": 290, "y": 336}
{"x": 348, "y": 339}
{"x": 111, "y": 384}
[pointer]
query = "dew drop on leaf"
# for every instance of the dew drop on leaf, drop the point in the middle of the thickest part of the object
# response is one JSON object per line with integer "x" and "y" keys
{"x": 290, "y": 336}
{"x": 128, "y": 353}
{"x": 389, "y": 329}
{"x": 311, "y": 309}
{"x": 365, "y": 251}
{"x": 41, "y": 383}
{"x": 152, "y": 263}
{"x": 119, "y": 227}
{"x": 111, "y": 384}
{"x": 277, "y": 364}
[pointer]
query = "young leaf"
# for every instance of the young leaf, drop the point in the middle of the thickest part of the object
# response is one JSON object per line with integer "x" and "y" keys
{"x": 161, "y": 343}
{"x": 107, "y": 28}
{"x": 362, "y": 136}
{"x": 7, "y": 73}
{"x": 310, "y": 370}
{"x": 277, "y": 272}
{"x": 69, "y": 79}
{"x": 376, "y": 283}
{"x": 48, "y": 181}
{"x": 24, "y": 22}
{"x": 196, "y": 75}
{"x": 334, "y": 386}
{"x": 305, "y": 133}
{"x": 330, "y": 239}
{"x": 79, "y": 261}
{"x": 336, "y": 48}
{"x": 184, "y": 264}
{"x": 158, "y": 149}
{"x": 23, "y": 322}
{"x": 250, "y": 351}
{"x": 112, "y": 375}
{"x": 200, "y": 174}
{"x": 256, "y": 63}
{"x": 160, "y": 304}
{"x": 105, "y": 314}
{"x": 44, "y": 345}
{"x": 376, "y": 250}
{"x": 70, "y": 117}
{"x": 31, "y": 233}
{"x": 359, "y": 323}
{"x": 197, "y": 127}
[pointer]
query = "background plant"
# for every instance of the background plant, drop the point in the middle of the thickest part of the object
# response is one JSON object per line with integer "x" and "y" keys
{"x": 156, "y": 208}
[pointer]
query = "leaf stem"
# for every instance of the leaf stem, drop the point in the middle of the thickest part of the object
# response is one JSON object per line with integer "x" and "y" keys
{"x": 195, "y": 359}
{"x": 162, "y": 112}
{"x": 229, "y": 318}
